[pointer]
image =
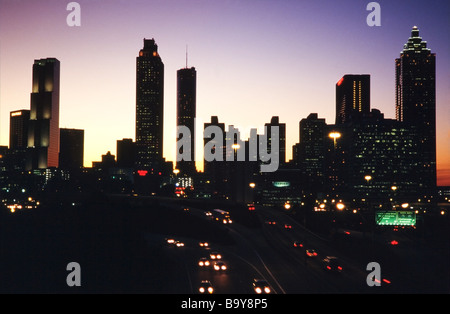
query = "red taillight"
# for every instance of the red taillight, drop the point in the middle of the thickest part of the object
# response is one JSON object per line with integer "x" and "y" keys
{"x": 328, "y": 267}
{"x": 339, "y": 267}
{"x": 386, "y": 281}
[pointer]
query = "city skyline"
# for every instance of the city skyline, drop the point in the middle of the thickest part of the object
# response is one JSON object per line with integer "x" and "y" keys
{"x": 240, "y": 96}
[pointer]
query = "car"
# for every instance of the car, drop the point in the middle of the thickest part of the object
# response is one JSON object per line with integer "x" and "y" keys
{"x": 271, "y": 222}
{"x": 203, "y": 244}
{"x": 179, "y": 244}
{"x": 206, "y": 287}
{"x": 261, "y": 286}
{"x": 215, "y": 255}
{"x": 203, "y": 262}
{"x": 220, "y": 266}
{"x": 208, "y": 214}
{"x": 298, "y": 244}
{"x": 311, "y": 253}
{"x": 332, "y": 263}
{"x": 287, "y": 226}
{"x": 186, "y": 209}
{"x": 170, "y": 241}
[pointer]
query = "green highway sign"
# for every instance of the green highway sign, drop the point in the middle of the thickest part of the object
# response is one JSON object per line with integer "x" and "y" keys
{"x": 395, "y": 218}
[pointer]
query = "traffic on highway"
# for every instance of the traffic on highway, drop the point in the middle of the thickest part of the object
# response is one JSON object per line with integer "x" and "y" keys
{"x": 280, "y": 257}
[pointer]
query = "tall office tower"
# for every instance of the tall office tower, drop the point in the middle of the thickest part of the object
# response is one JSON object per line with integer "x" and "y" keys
{"x": 352, "y": 97}
{"x": 71, "y": 149}
{"x": 312, "y": 147}
{"x": 186, "y": 108}
{"x": 381, "y": 154}
{"x": 149, "y": 106}
{"x": 43, "y": 129}
{"x": 415, "y": 82}
{"x": 18, "y": 129}
{"x": 215, "y": 170}
{"x": 275, "y": 121}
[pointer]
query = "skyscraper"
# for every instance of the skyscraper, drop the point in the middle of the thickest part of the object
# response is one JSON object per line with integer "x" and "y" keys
{"x": 43, "y": 130}
{"x": 18, "y": 129}
{"x": 149, "y": 105}
{"x": 312, "y": 147}
{"x": 352, "y": 97}
{"x": 186, "y": 109}
{"x": 415, "y": 82}
{"x": 71, "y": 152}
{"x": 275, "y": 121}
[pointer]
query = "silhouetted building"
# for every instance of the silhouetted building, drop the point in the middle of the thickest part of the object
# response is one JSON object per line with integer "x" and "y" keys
{"x": 18, "y": 129}
{"x": 275, "y": 121}
{"x": 415, "y": 81}
{"x": 312, "y": 148}
{"x": 71, "y": 149}
{"x": 215, "y": 170}
{"x": 108, "y": 162}
{"x": 126, "y": 153}
{"x": 43, "y": 129}
{"x": 186, "y": 112}
{"x": 352, "y": 97}
{"x": 149, "y": 106}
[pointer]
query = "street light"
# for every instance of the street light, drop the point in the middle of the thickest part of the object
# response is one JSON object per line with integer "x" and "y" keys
{"x": 340, "y": 206}
{"x": 368, "y": 178}
{"x": 252, "y": 185}
{"x": 334, "y": 135}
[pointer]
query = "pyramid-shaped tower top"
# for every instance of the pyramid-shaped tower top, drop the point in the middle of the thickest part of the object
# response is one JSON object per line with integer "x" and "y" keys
{"x": 415, "y": 42}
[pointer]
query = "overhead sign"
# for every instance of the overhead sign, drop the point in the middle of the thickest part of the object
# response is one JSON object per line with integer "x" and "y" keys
{"x": 395, "y": 218}
{"x": 281, "y": 184}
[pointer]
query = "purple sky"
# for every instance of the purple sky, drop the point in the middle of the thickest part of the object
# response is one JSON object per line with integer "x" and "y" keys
{"x": 254, "y": 59}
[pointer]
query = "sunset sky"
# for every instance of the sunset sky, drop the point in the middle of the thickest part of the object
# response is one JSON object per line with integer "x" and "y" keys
{"x": 254, "y": 58}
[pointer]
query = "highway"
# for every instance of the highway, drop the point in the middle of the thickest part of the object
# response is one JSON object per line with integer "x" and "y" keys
{"x": 266, "y": 253}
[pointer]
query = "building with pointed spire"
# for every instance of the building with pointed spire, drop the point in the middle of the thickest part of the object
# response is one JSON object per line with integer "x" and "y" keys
{"x": 415, "y": 91}
{"x": 186, "y": 112}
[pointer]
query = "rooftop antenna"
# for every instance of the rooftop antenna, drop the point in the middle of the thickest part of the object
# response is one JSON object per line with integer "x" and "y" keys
{"x": 186, "y": 56}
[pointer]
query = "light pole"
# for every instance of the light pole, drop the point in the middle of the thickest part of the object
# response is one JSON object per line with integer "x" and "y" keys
{"x": 334, "y": 135}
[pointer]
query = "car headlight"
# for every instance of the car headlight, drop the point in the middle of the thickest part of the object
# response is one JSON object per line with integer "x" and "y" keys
{"x": 267, "y": 290}
{"x": 201, "y": 289}
{"x": 258, "y": 290}
{"x": 210, "y": 289}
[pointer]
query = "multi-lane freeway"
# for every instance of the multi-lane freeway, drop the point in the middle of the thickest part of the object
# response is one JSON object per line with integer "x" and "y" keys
{"x": 282, "y": 252}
